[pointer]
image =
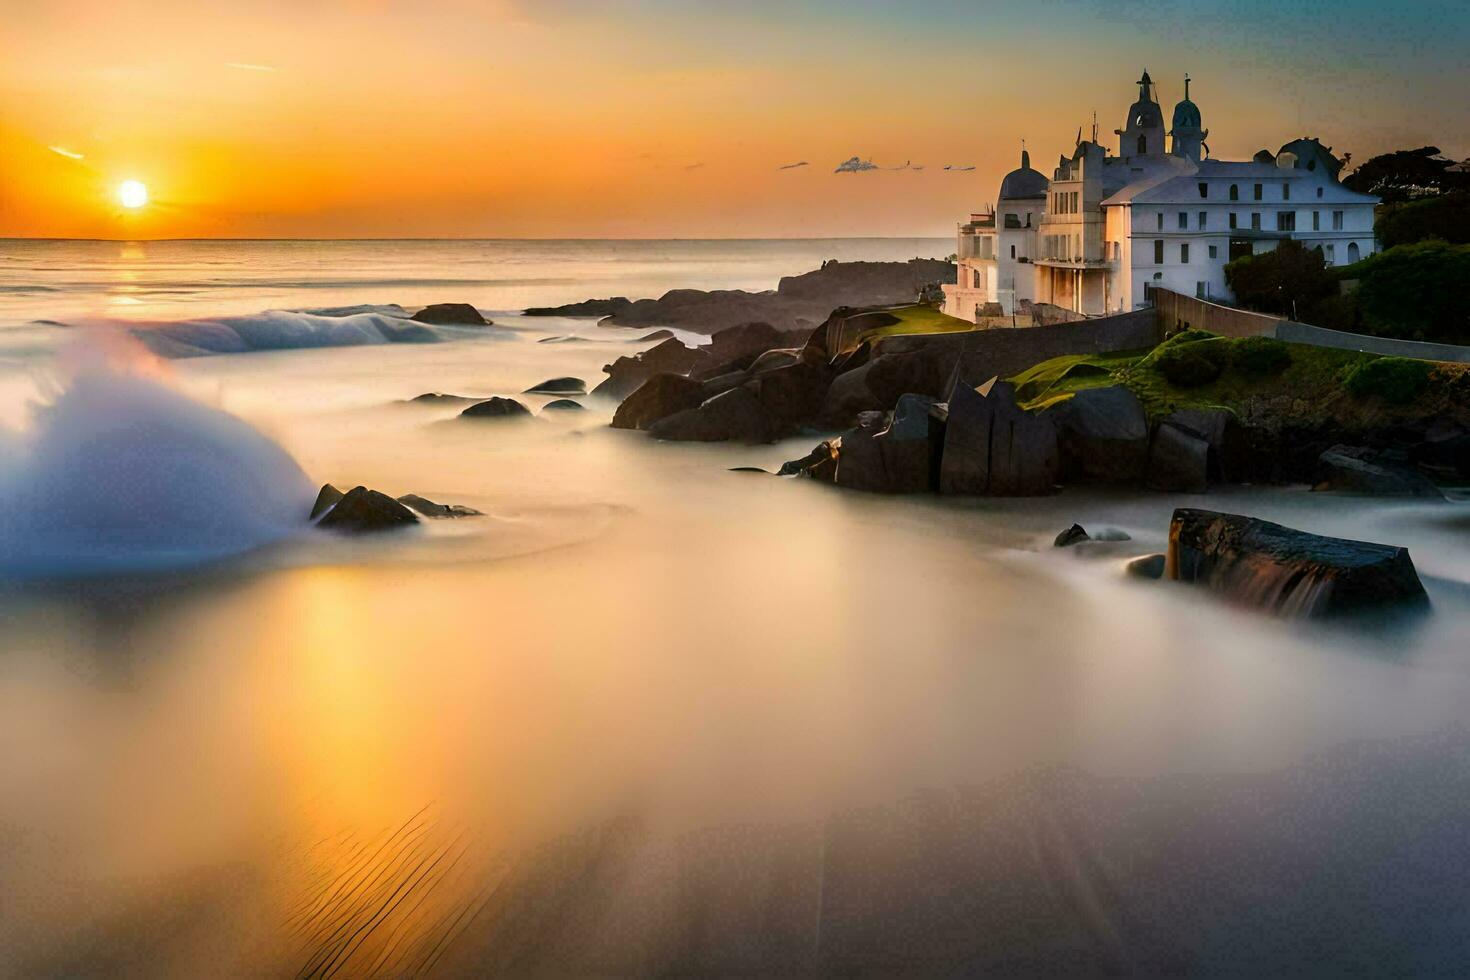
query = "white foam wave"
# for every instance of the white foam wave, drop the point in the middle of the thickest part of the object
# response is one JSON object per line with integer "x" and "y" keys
{"x": 278, "y": 330}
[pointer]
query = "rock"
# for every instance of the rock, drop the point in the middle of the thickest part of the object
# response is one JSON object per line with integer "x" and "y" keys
{"x": 1178, "y": 462}
{"x": 428, "y": 508}
{"x": 559, "y": 386}
{"x": 1023, "y": 448}
{"x": 1351, "y": 469}
{"x": 451, "y": 314}
{"x": 964, "y": 467}
{"x": 1446, "y": 458}
{"x": 749, "y": 469}
{"x": 496, "y": 408}
{"x": 627, "y": 373}
{"x": 793, "y": 394}
{"x": 732, "y": 415}
{"x": 1102, "y": 435}
{"x": 891, "y": 375}
{"x": 796, "y": 467}
{"x": 1148, "y": 566}
{"x": 911, "y": 445}
{"x": 773, "y": 359}
{"x": 744, "y": 340}
{"x": 846, "y": 396}
{"x": 860, "y": 458}
{"x": 565, "y": 339}
{"x": 1289, "y": 572}
{"x": 657, "y": 398}
{"x": 655, "y": 335}
{"x": 325, "y": 498}
{"x": 438, "y": 398}
{"x": 362, "y": 510}
{"x": 1071, "y": 536}
{"x": 588, "y": 307}
{"x": 1208, "y": 424}
{"x": 563, "y": 405}
{"x": 1112, "y": 534}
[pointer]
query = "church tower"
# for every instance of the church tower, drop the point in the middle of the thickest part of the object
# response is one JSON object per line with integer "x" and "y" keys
{"x": 1186, "y": 133}
{"x": 1144, "y": 134}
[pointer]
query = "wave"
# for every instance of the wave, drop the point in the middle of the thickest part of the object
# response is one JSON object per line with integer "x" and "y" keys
{"x": 122, "y": 473}
{"x": 278, "y": 330}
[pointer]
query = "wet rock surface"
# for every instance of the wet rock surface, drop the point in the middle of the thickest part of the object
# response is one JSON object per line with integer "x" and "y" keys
{"x": 361, "y": 511}
{"x": 496, "y": 408}
{"x": 451, "y": 314}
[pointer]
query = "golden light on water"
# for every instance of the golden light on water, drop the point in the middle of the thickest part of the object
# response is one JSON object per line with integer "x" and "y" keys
{"x": 132, "y": 194}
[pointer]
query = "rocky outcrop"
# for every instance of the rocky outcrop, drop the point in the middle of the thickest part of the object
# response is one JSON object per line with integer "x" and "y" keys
{"x": 659, "y": 397}
{"x": 734, "y": 415}
{"x": 1104, "y": 436}
{"x": 451, "y": 314}
{"x": 588, "y": 307}
{"x": 428, "y": 508}
{"x": 326, "y": 498}
{"x": 559, "y": 386}
{"x": 362, "y": 511}
{"x": 1178, "y": 462}
{"x": 1071, "y": 536}
{"x": 496, "y": 408}
{"x": 563, "y": 405}
{"x": 1024, "y": 460}
{"x": 1289, "y": 572}
{"x": 439, "y": 398}
{"x": 1147, "y": 566}
{"x": 670, "y": 357}
{"x": 1354, "y": 469}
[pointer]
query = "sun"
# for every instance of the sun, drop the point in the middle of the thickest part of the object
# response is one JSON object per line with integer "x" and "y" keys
{"x": 132, "y": 194}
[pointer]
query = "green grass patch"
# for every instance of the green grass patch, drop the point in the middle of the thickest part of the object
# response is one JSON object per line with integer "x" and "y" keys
{"x": 917, "y": 319}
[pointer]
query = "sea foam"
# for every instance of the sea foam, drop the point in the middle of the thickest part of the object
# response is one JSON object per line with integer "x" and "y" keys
{"x": 278, "y": 330}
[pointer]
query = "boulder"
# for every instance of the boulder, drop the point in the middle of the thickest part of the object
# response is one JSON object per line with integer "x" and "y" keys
{"x": 588, "y": 307}
{"x": 964, "y": 467}
{"x": 911, "y": 445}
{"x": 562, "y": 405}
{"x": 732, "y": 415}
{"x": 773, "y": 359}
{"x": 860, "y": 458}
{"x": 848, "y": 395}
{"x": 793, "y": 394}
{"x": 325, "y": 498}
{"x": 1148, "y": 566}
{"x": 1178, "y": 462}
{"x": 659, "y": 397}
{"x": 429, "y": 508}
{"x": 1102, "y": 435}
{"x": 451, "y": 314}
{"x": 559, "y": 386}
{"x": 438, "y": 398}
{"x": 1023, "y": 448}
{"x": 1071, "y": 536}
{"x": 891, "y": 375}
{"x": 1289, "y": 572}
{"x": 496, "y": 408}
{"x": 362, "y": 510}
{"x": 1447, "y": 458}
{"x": 1351, "y": 469}
{"x": 801, "y": 467}
{"x": 670, "y": 357}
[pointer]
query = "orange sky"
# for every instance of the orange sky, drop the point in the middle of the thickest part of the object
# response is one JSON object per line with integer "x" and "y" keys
{"x": 646, "y": 118}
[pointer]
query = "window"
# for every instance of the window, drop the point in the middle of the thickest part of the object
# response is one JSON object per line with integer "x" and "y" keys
{"x": 1013, "y": 251}
{"x": 1158, "y": 251}
{"x": 1160, "y": 216}
{"x": 1286, "y": 192}
{"x": 1117, "y": 252}
{"x": 1330, "y": 253}
{"x": 1143, "y": 146}
{"x": 1203, "y": 217}
{"x": 1316, "y": 220}
{"x": 1259, "y": 191}
{"x": 1234, "y": 219}
{"x": 1204, "y": 190}
{"x": 1286, "y": 221}
{"x": 1319, "y": 192}
{"x": 1337, "y": 221}
{"x": 1255, "y": 221}
{"x": 1234, "y": 192}
{"x": 1214, "y": 251}
{"x": 1183, "y": 221}
{"x": 975, "y": 276}
{"x": 1184, "y": 252}
{"x": 1201, "y": 290}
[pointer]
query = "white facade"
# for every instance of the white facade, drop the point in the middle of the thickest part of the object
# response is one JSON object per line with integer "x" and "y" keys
{"x": 1106, "y": 228}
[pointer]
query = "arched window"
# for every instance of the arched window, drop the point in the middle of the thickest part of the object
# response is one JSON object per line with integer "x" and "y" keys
{"x": 1353, "y": 253}
{"x": 1143, "y": 146}
{"x": 1234, "y": 192}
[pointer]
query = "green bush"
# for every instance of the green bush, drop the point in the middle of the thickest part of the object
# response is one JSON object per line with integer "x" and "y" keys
{"x": 1287, "y": 278}
{"x": 1398, "y": 380}
{"x": 1257, "y": 357}
{"x": 1193, "y": 363}
{"x": 1188, "y": 337}
{"x": 1417, "y": 292}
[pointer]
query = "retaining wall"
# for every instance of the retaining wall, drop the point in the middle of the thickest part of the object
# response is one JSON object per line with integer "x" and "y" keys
{"x": 1179, "y": 312}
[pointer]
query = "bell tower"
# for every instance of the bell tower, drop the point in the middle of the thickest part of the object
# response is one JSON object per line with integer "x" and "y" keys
{"x": 1187, "y": 133}
{"x": 1143, "y": 135}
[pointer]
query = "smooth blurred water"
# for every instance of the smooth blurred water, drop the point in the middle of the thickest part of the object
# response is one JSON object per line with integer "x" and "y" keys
{"x": 649, "y": 715}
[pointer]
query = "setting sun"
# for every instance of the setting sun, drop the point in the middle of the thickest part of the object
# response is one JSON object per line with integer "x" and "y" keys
{"x": 132, "y": 194}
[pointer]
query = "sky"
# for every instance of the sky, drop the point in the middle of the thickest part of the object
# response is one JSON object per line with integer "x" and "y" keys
{"x": 658, "y": 118}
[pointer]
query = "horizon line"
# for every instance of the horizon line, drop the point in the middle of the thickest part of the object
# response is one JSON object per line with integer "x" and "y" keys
{"x": 457, "y": 238}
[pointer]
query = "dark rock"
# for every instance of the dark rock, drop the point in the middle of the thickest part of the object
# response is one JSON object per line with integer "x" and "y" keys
{"x": 563, "y": 405}
{"x": 496, "y": 408}
{"x": 588, "y": 307}
{"x": 1023, "y": 448}
{"x": 428, "y": 508}
{"x": 1112, "y": 534}
{"x": 860, "y": 458}
{"x": 1102, "y": 435}
{"x": 655, "y": 335}
{"x": 847, "y": 395}
{"x": 362, "y": 510}
{"x": 793, "y": 394}
{"x": 911, "y": 445}
{"x": 796, "y": 467}
{"x": 750, "y": 469}
{"x": 773, "y": 359}
{"x": 732, "y": 415}
{"x": 1071, "y": 536}
{"x": 1350, "y": 469}
{"x": 1149, "y": 566}
{"x": 891, "y": 375}
{"x": 437, "y": 398}
{"x": 627, "y": 373}
{"x": 559, "y": 386}
{"x": 1178, "y": 462}
{"x": 451, "y": 314}
{"x": 964, "y": 467}
{"x": 1446, "y": 458}
{"x": 659, "y": 397}
{"x": 566, "y": 339}
{"x": 1286, "y": 571}
{"x": 325, "y": 498}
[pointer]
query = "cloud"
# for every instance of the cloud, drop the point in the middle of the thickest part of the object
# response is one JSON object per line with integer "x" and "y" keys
{"x": 245, "y": 66}
{"x": 793, "y": 166}
{"x": 694, "y": 166}
{"x": 65, "y": 152}
{"x": 951, "y": 166}
{"x": 854, "y": 165}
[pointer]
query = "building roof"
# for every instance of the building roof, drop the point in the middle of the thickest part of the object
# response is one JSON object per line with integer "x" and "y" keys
{"x": 1183, "y": 188}
{"x": 1023, "y": 182}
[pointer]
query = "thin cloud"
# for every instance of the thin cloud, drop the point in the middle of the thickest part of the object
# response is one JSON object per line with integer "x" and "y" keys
{"x": 907, "y": 165}
{"x": 855, "y": 165}
{"x": 63, "y": 151}
{"x": 694, "y": 166}
{"x": 246, "y": 66}
{"x": 951, "y": 166}
{"x": 793, "y": 166}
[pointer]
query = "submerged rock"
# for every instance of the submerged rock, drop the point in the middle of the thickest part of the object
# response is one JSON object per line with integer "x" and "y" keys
{"x": 439, "y": 398}
{"x": 1353, "y": 470}
{"x": 563, "y": 405}
{"x": 588, "y": 307}
{"x": 451, "y": 314}
{"x": 559, "y": 386}
{"x": 362, "y": 510}
{"x": 327, "y": 496}
{"x": 496, "y": 408}
{"x": 1288, "y": 572}
{"x": 429, "y": 508}
{"x": 814, "y": 460}
{"x": 1071, "y": 536}
{"x": 1148, "y": 566}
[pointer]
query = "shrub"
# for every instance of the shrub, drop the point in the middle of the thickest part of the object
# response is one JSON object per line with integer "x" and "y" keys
{"x": 1397, "y": 380}
{"x": 1193, "y": 363}
{"x": 1281, "y": 280}
{"x": 1257, "y": 357}
{"x": 1417, "y": 292}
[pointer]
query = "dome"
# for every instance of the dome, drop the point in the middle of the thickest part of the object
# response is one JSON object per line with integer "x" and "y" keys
{"x": 1186, "y": 115}
{"x": 1023, "y": 182}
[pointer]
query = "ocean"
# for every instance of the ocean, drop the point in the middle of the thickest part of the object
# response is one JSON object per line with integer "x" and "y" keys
{"x": 646, "y": 714}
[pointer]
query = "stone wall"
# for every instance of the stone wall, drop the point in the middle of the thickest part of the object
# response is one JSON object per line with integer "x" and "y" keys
{"x": 1179, "y": 312}
{"x": 1305, "y": 333}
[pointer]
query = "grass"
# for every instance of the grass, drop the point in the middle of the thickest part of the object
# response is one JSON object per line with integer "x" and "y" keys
{"x": 916, "y": 320}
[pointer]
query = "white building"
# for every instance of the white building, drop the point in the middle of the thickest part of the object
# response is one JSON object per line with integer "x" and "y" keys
{"x": 1106, "y": 228}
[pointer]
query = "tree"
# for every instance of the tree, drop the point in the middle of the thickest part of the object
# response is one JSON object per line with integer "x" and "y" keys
{"x": 1282, "y": 280}
{"x": 1446, "y": 217}
{"x": 1417, "y": 292}
{"x": 1407, "y": 174}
